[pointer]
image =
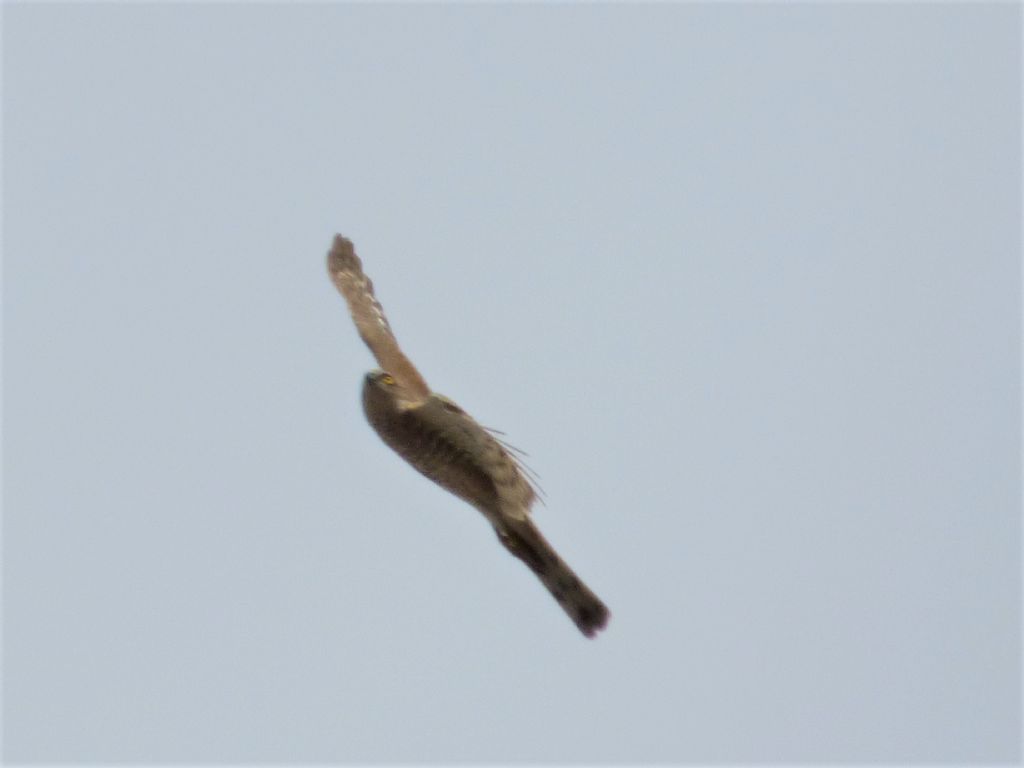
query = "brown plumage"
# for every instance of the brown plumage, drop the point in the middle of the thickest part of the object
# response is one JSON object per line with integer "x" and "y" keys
{"x": 446, "y": 445}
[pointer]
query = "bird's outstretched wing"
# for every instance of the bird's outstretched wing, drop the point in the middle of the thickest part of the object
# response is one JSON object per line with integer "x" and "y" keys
{"x": 346, "y": 270}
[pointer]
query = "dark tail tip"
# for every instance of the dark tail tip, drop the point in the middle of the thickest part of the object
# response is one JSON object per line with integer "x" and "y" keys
{"x": 591, "y": 616}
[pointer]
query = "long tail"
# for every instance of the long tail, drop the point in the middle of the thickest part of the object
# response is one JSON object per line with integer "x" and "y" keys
{"x": 523, "y": 540}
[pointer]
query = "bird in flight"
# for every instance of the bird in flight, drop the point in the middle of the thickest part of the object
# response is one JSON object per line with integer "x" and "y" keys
{"x": 447, "y": 445}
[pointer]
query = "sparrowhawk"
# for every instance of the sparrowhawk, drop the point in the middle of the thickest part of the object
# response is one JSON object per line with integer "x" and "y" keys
{"x": 444, "y": 443}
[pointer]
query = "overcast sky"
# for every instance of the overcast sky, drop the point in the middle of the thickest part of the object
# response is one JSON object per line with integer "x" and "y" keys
{"x": 743, "y": 281}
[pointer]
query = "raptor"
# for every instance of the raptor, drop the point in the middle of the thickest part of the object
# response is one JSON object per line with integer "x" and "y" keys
{"x": 447, "y": 445}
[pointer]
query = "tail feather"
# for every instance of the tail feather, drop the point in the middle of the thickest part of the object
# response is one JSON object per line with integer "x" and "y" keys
{"x": 585, "y": 608}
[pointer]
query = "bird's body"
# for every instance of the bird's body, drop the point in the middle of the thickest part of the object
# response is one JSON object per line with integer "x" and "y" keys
{"x": 448, "y": 446}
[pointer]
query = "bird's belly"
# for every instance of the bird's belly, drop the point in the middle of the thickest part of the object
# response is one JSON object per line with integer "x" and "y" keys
{"x": 441, "y": 457}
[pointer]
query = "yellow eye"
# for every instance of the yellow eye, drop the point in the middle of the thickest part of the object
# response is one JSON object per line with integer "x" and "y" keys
{"x": 387, "y": 378}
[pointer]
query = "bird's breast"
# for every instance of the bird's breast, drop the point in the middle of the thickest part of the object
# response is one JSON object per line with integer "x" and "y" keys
{"x": 439, "y": 445}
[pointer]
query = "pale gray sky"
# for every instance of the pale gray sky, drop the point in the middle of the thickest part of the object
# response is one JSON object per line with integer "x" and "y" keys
{"x": 743, "y": 280}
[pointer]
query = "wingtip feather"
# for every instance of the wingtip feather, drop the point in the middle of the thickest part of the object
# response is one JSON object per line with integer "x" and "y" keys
{"x": 342, "y": 255}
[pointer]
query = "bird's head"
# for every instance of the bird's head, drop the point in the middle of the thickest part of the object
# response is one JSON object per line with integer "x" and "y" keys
{"x": 382, "y": 385}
